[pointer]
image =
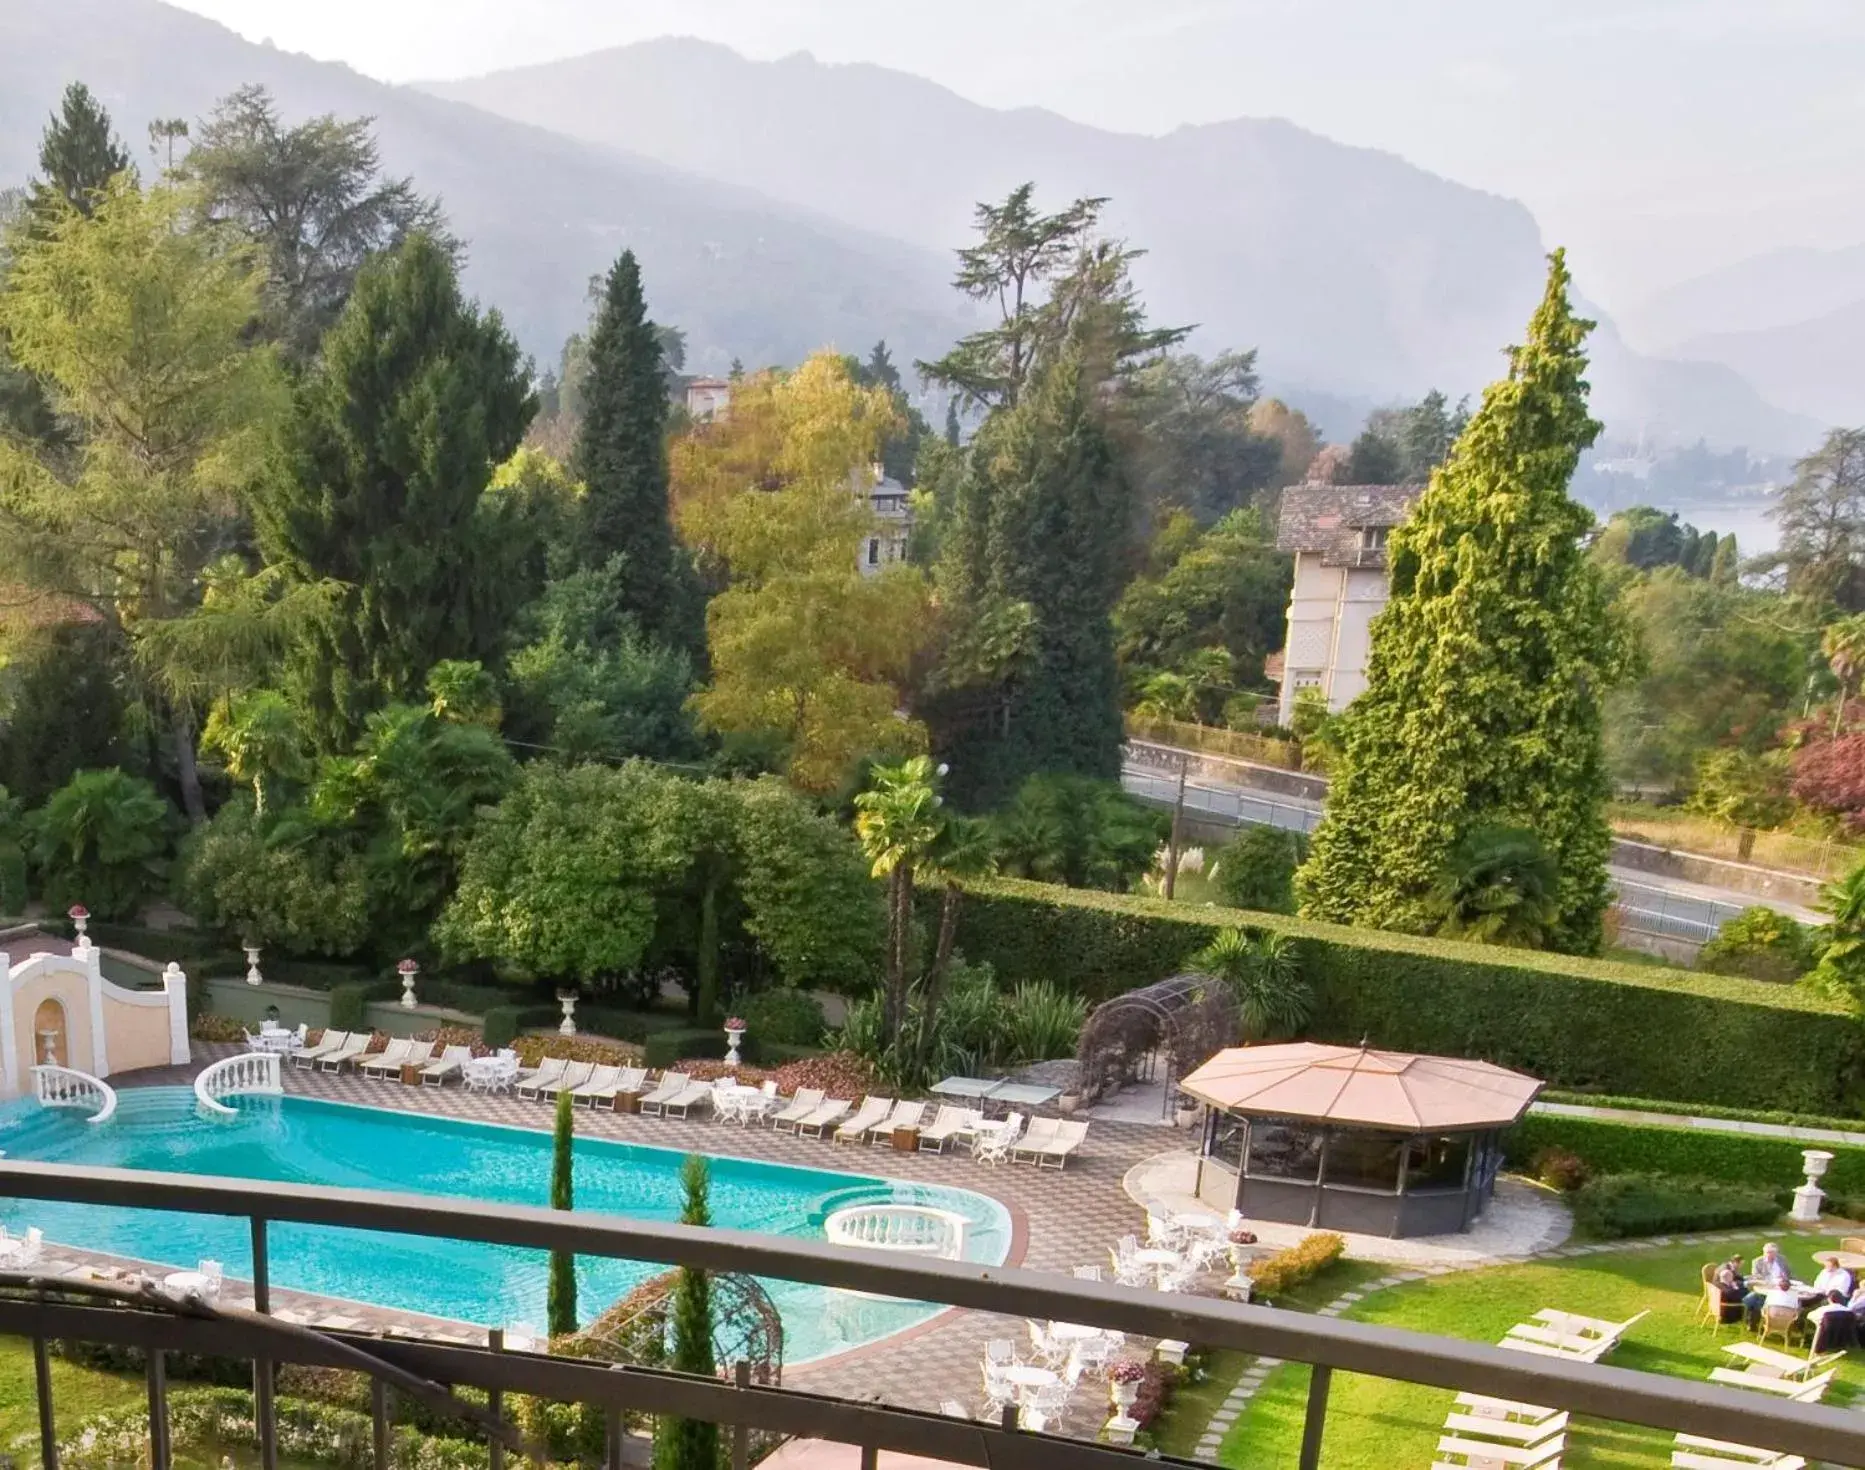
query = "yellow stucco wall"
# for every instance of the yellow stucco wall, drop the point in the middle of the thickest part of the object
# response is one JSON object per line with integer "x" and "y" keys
{"x": 68, "y": 988}
{"x": 135, "y": 1036}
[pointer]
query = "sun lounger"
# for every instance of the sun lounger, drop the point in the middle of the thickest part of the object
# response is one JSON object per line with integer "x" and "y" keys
{"x": 806, "y": 1101}
{"x": 327, "y": 1043}
{"x": 1520, "y": 1457}
{"x": 451, "y": 1060}
{"x": 1727, "y": 1450}
{"x": 1576, "y": 1325}
{"x": 1776, "y": 1364}
{"x": 1694, "y": 1460}
{"x": 946, "y": 1125}
{"x": 672, "y": 1084}
{"x": 568, "y": 1080}
{"x": 904, "y": 1115}
{"x": 1036, "y": 1136}
{"x": 1478, "y": 1403}
{"x": 1069, "y": 1136}
{"x": 1805, "y": 1391}
{"x": 389, "y": 1059}
{"x": 872, "y": 1111}
{"x": 1572, "y": 1352}
{"x": 336, "y": 1061}
{"x": 606, "y": 1082}
{"x": 1516, "y": 1431}
{"x": 825, "y": 1115}
{"x": 683, "y": 1101}
{"x": 543, "y": 1074}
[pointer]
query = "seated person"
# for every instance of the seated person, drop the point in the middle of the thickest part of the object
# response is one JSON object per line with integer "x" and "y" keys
{"x": 1770, "y": 1267}
{"x": 1774, "y": 1296}
{"x": 1730, "y": 1286}
{"x": 1833, "y": 1279}
{"x": 1836, "y": 1323}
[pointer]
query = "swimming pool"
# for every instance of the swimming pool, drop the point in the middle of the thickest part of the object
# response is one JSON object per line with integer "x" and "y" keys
{"x": 308, "y": 1141}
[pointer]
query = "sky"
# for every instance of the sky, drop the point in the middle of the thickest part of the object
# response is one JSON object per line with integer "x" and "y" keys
{"x": 1656, "y": 139}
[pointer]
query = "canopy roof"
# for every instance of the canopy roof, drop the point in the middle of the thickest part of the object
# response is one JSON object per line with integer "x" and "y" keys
{"x": 1358, "y": 1085}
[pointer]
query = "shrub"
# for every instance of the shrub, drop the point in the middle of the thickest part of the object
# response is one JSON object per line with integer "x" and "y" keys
{"x": 99, "y": 840}
{"x": 1257, "y": 869}
{"x": 1286, "y": 1268}
{"x": 291, "y": 887}
{"x": 499, "y": 1027}
{"x": 347, "y": 1005}
{"x": 1617, "y": 1206}
{"x": 664, "y": 1048}
{"x": 1559, "y": 1168}
{"x": 1648, "y": 1148}
{"x": 1579, "y": 1023}
{"x": 606, "y": 1021}
{"x": 209, "y": 1027}
{"x": 1761, "y": 944}
{"x": 783, "y": 1015}
{"x": 1041, "y": 1021}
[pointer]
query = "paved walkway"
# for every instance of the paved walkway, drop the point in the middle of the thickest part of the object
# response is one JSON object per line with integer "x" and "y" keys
{"x": 1062, "y": 1219}
{"x": 1709, "y": 1125}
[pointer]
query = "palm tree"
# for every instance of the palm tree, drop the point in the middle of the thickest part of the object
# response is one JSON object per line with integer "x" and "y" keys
{"x": 259, "y": 739}
{"x": 1843, "y": 643}
{"x": 1264, "y": 976}
{"x": 1842, "y": 957}
{"x": 898, "y": 819}
{"x": 1498, "y": 887}
{"x": 964, "y": 849}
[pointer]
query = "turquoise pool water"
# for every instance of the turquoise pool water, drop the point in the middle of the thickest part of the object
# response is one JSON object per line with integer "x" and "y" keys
{"x": 305, "y": 1141}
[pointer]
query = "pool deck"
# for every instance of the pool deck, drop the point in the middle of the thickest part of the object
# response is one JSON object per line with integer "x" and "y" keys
{"x": 1059, "y": 1219}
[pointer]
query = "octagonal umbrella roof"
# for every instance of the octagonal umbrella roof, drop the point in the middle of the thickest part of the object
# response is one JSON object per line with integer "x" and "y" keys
{"x": 1359, "y": 1085}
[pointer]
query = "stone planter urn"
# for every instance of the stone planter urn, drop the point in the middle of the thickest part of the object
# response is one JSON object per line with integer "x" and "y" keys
{"x": 1239, "y": 1287}
{"x": 80, "y": 916}
{"x": 1123, "y": 1395}
{"x": 734, "y": 1035}
{"x": 1069, "y": 1101}
{"x": 1809, "y": 1197}
{"x": 253, "y": 977}
{"x": 567, "y": 999}
{"x": 1185, "y": 1115}
{"x": 407, "y": 969}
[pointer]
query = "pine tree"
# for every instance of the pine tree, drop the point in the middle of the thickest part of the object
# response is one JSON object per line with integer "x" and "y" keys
{"x": 415, "y": 399}
{"x": 1488, "y": 666}
{"x": 79, "y": 153}
{"x": 621, "y": 456}
{"x": 560, "y": 1308}
{"x": 691, "y": 1444}
{"x": 951, "y": 421}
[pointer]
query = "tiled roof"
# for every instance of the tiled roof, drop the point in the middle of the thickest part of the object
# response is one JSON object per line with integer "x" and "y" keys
{"x": 24, "y": 607}
{"x": 1329, "y": 518}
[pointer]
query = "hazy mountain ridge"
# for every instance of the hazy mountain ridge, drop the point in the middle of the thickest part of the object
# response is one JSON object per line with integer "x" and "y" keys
{"x": 539, "y": 212}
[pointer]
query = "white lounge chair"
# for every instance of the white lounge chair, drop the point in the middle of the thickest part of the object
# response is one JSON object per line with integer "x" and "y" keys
{"x": 600, "y": 1083}
{"x": 568, "y": 1080}
{"x": 435, "y": 1074}
{"x": 547, "y": 1071}
{"x": 1807, "y": 1391}
{"x": 353, "y": 1052}
{"x": 1068, "y": 1137}
{"x": 686, "y": 1099}
{"x": 672, "y": 1084}
{"x": 806, "y": 1101}
{"x": 327, "y": 1043}
{"x": 1694, "y": 1460}
{"x": 904, "y": 1115}
{"x": 1035, "y": 1138}
{"x": 872, "y": 1111}
{"x": 947, "y": 1124}
{"x": 1487, "y": 1452}
{"x": 1748, "y": 1454}
{"x": 1493, "y": 1426}
{"x": 831, "y": 1110}
{"x": 389, "y": 1059}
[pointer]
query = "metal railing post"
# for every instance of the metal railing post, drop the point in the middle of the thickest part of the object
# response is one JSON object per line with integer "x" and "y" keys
{"x": 495, "y": 1403}
{"x": 741, "y": 1431}
{"x": 614, "y": 1432}
{"x": 1316, "y": 1419}
{"x": 48, "y": 1428}
{"x": 379, "y": 1421}
{"x": 265, "y": 1412}
{"x": 158, "y": 1410}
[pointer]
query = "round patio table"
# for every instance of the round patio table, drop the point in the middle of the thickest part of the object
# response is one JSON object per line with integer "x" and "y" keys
{"x": 1028, "y": 1375}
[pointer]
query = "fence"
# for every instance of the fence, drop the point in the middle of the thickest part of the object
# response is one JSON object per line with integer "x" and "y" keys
{"x": 1237, "y": 744}
{"x": 58, "y": 1308}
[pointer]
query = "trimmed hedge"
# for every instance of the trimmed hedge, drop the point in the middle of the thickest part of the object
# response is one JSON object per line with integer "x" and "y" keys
{"x": 347, "y": 1005}
{"x": 663, "y": 1048}
{"x": 1702, "y": 1110}
{"x": 1578, "y": 1023}
{"x": 1624, "y": 1205}
{"x": 499, "y": 1026}
{"x": 1772, "y": 1164}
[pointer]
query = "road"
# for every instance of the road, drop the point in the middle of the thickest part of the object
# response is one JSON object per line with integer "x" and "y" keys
{"x": 1668, "y": 907}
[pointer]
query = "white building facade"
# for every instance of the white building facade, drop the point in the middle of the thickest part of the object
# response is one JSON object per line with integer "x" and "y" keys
{"x": 1338, "y": 536}
{"x": 886, "y": 541}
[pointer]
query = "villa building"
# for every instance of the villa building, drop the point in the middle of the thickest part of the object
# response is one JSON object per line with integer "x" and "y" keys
{"x": 1338, "y": 536}
{"x": 708, "y": 398}
{"x": 886, "y": 541}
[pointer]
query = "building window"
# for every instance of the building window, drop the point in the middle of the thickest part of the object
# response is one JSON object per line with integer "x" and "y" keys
{"x": 874, "y": 551}
{"x": 1306, "y": 679}
{"x": 1373, "y": 538}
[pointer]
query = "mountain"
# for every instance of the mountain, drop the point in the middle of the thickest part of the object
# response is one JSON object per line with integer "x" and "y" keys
{"x": 1357, "y": 275}
{"x": 1779, "y": 288}
{"x": 1815, "y": 362}
{"x": 745, "y": 276}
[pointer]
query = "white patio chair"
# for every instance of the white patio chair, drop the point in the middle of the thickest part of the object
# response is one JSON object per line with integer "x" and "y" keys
{"x": 1091, "y": 1357}
{"x": 1086, "y": 1273}
{"x": 806, "y": 1101}
{"x": 1000, "y": 1351}
{"x": 31, "y": 1247}
{"x": 727, "y": 1107}
{"x": 1045, "y": 1349}
{"x": 994, "y": 1147}
{"x": 1045, "y": 1408}
{"x": 999, "y": 1392}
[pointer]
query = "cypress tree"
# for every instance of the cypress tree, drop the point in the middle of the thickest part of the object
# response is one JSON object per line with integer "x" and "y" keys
{"x": 78, "y": 153}
{"x": 560, "y": 1308}
{"x": 1487, "y": 667}
{"x": 415, "y": 399}
{"x": 691, "y": 1444}
{"x": 621, "y": 457}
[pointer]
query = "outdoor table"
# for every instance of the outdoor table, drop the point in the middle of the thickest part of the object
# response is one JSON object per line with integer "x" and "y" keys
{"x": 1074, "y": 1331}
{"x": 411, "y": 1074}
{"x": 628, "y": 1102}
{"x": 185, "y": 1283}
{"x": 1157, "y": 1256}
{"x": 972, "y": 1087}
{"x": 1851, "y": 1260}
{"x": 278, "y": 1041}
{"x": 1028, "y": 1375}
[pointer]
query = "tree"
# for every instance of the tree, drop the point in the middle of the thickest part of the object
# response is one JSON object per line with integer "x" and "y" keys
{"x": 138, "y": 330}
{"x": 1829, "y": 776}
{"x": 1264, "y": 977}
{"x": 260, "y": 741}
{"x": 415, "y": 399}
{"x": 560, "y": 1303}
{"x": 900, "y": 449}
{"x": 1499, "y": 886}
{"x": 163, "y": 133}
{"x": 621, "y": 457}
{"x": 899, "y": 821}
{"x": 1256, "y": 869}
{"x": 965, "y": 848}
{"x": 690, "y": 1444}
{"x": 1296, "y": 439}
{"x": 1841, "y": 968}
{"x": 79, "y": 155}
{"x": 100, "y": 840}
{"x": 1843, "y": 645}
{"x": 1077, "y": 831}
{"x": 804, "y": 649}
{"x": 1821, "y": 513}
{"x": 311, "y": 199}
{"x": 1488, "y": 666}
{"x": 1374, "y": 460}
{"x": 1193, "y": 446}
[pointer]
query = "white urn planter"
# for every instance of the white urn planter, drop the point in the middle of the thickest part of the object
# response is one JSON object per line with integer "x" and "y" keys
{"x": 1123, "y": 1395}
{"x": 1239, "y": 1287}
{"x": 253, "y": 977}
{"x": 407, "y": 969}
{"x": 1809, "y": 1197}
{"x": 734, "y": 1036}
{"x": 567, "y": 999}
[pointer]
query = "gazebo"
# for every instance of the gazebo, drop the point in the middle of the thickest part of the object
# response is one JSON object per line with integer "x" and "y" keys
{"x": 1350, "y": 1138}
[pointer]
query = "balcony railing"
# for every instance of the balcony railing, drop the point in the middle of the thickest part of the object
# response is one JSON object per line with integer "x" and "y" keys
{"x": 43, "y": 1310}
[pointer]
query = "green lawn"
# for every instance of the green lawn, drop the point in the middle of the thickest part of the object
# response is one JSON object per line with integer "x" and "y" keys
{"x": 1377, "y": 1424}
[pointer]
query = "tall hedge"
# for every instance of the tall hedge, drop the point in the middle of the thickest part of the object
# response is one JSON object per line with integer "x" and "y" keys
{"x": 1578, "y": 1023}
